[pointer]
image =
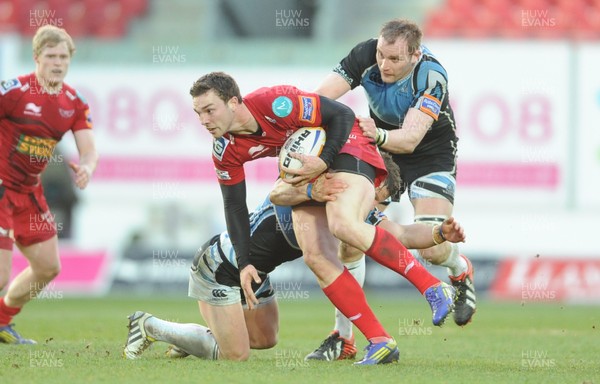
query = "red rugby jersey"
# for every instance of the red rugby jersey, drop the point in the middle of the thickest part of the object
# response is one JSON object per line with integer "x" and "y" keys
{"x": 31, "y": 124}
{"x": 280, "y": 111}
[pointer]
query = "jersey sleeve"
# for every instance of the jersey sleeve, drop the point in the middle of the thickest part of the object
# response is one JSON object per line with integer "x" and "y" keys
{"x": 308, "y": 110}
{"x": 227, "y": 165}
{"x": 84, "y": 118}
{"x": 361, "y": 57}
{"x": 236, "y": 218}
{"x": 8, "y": 96}
{"x": 295, "y": 108}
{"x": 431, "y": 88}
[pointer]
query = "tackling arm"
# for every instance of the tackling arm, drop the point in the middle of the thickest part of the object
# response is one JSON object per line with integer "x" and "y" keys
{"x": 323, "y": 189}
{"x": 420, "y": 236}
{"x": 404, "y": 140}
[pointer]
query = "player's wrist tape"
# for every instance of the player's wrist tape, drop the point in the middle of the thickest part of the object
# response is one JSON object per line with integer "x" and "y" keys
{"x": 309, "y": 188}
{"x": 381, "y": 136}
{"x": 437, "y": 234}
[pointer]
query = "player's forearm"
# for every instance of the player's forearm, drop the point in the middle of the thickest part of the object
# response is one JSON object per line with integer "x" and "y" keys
{"x": 236, "y": 218}
{"x": 288, "y": 195}
{"x": 324, "y": 188}
{"x": 89, "y": 160}
{"x": 415, "y": 126}
{"x": 397, "y": 142}
{"x": 416, "y": 236}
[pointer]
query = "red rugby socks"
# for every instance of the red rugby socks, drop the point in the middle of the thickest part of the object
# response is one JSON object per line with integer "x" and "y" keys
{"x": 349, "y": 298}
{"x": 391, "y": 253}
{"x": 7, "y": 313}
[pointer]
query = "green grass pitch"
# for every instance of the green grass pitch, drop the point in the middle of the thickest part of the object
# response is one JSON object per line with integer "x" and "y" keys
{"x": 80, "y": 341}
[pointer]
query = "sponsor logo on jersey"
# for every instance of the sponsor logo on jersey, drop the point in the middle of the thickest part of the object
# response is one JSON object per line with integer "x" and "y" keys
{"x": 4, "y": 232}
{"x": 40, "y": 148}
{"x": 7, "y": 85}
{"x": 10, "y": 233}
{"x": 270, "y": 119}
{"x": 307, "y": 109}
{"x": 66, "y": 113}
{"x": 32, "y": 109}
{"x": 282, "y": 106}
{"x": 222, "y": 175}
{"x": 257, "y": 151}
{"x": 430, "y": 105}
{"x": 219, "y": 146}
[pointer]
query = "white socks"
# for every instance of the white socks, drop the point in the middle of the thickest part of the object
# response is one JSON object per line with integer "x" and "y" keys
{"x": 194, "y": 339}
{"x": 342, "y": 324}
{"x": 455, "y": 263}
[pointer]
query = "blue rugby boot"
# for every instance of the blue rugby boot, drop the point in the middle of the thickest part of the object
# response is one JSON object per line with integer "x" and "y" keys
{"x": 441, "y": 299}
{"x": 381, "y": 353}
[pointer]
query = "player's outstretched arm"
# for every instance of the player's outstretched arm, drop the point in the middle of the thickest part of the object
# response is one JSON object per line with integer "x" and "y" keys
{"x": 452, "y": 231}
{"x": 238, "y": 227}
{"x": 419, "y": 236}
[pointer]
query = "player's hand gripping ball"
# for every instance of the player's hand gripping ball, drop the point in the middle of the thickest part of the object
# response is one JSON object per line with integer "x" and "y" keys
{"x": 307, "y": 141}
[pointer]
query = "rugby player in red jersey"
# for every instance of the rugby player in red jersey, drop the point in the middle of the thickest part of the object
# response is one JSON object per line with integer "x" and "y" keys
{"x": 36, "y": 110}
{"x": 256, "y": 126}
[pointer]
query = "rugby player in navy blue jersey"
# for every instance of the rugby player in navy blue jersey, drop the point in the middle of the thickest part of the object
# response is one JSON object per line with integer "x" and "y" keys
{"x": 411, "y": 118}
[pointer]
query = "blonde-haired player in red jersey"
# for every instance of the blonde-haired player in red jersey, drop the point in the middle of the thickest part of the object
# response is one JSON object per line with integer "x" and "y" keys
{"x": 36, "y": 110}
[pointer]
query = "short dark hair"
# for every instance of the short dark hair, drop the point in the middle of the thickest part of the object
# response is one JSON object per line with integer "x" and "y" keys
{"x": 403, "y": 29}
{"x": 394, "y": 178}
{"x": 221, "y": 83}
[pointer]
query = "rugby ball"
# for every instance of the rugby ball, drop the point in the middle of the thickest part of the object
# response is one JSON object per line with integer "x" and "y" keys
{"x": 307, "y": 141}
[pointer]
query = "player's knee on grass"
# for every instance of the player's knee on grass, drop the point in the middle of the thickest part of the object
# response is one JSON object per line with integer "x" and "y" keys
{"x": 263, "y": 341}
{"x": 237, "y": 354}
